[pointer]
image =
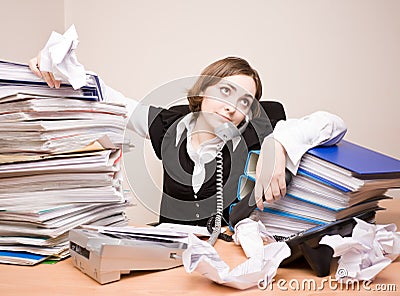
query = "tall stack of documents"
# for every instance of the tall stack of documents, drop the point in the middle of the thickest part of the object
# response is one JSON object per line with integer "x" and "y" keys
{"x": 332, "y": 183}
{"x": 60, "y": 154}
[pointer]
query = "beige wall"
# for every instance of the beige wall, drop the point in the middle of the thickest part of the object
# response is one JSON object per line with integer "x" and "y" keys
{"x": 338, "y": 55}
{"x": 25, "y": 26}
{"x": 341, "y": 56}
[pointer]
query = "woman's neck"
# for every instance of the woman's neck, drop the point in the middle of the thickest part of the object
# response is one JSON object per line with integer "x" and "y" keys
{"x": 201, "y": 132}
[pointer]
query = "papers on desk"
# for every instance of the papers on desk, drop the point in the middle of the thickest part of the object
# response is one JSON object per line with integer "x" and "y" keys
{"x": 21, "y": 258}
{"x": 196, "y": 230}
{"x": 204, "y": 259}
{"x": 140, "y": 231}
{"x": 368, "y": 251}
{"x": 169, "y": 231}
{"x": 59, "y": 164}
{"x": 59, "y": 194}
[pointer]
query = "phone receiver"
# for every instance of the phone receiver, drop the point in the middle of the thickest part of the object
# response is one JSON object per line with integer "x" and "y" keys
{"x": 247, "y": 204}
{"x": 227, "y": 131}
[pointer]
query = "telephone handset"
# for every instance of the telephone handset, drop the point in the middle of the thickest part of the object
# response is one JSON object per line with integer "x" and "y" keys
{"x": 227, "y": 131}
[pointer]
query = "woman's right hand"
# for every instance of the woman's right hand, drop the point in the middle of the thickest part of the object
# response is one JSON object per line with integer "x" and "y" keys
{"x": 34, "y": 65}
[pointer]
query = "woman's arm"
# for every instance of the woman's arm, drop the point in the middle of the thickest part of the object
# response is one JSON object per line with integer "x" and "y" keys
{"x": 291, "y": 139}
{"x": 300, "y": 135}
{"x": 138, "y": 113}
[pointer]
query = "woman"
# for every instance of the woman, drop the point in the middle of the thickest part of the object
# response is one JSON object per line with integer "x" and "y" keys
{"x": 225, "y": 123}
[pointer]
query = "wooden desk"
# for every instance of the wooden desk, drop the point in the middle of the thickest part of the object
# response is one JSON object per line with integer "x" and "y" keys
{"x": 63, "y": 279}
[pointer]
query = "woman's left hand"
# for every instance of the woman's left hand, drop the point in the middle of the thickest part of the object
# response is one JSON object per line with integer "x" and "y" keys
{"x": 34, "y": 65}
{"x": 270, "y": 172}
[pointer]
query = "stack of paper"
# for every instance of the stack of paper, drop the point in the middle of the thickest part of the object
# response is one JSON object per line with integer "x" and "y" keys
{"x": 332, "y": 183}
{"x": 59, "y": 164}
{"x": 18, "y": 77}
{"x": 52, "y": 125}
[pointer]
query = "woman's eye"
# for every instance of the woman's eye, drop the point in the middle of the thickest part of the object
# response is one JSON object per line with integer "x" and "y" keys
{"x": 245, "y": 102}
{"x": 225, "y": 91}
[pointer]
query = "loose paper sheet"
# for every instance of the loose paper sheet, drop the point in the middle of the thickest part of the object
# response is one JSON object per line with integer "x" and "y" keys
{"x": 251, "y": 236}
{"x": 368, "y": 251}
{"x": 203, "y": 258}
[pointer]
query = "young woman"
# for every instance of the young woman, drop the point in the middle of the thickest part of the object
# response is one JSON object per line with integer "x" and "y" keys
{"x": 225, "y": 123}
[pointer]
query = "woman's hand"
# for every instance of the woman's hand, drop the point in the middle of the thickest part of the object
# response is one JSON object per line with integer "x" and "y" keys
{"x": 270, "y": 172}
{"x": 34, "y": 65}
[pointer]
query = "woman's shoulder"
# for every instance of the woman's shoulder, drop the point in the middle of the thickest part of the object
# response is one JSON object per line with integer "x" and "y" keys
{"x": 166, "y": 117}
{"x": 256, "y": 131}
{"x": 160, "y": 121}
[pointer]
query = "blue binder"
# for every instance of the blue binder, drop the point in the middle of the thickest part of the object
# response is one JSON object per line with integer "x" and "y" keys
{"x": 91, "y": 91}
{"x": 363, "y": 163}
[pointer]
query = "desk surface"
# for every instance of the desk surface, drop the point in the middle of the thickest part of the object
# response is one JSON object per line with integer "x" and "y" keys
{"x": 63, "y": 279}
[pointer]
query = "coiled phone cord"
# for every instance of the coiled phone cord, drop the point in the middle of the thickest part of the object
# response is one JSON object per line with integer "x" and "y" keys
{"x": 220, "y": 201}
{"x": 214, "y": 222}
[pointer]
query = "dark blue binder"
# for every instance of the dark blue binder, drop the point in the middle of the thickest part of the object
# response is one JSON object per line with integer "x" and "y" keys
{"x": 362, "y": 162}
{"x": 92, "y": 91}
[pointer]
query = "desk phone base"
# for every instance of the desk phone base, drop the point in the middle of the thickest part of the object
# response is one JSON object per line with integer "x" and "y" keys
{"x": 104, "y": 258}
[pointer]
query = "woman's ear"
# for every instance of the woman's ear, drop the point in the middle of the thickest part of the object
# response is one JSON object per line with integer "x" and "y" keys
{"x": 242, "y": 126}
{"x": 201, "y": 102}
{"x": 249, "y": 115}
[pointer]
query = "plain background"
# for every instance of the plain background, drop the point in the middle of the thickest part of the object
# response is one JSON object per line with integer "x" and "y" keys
{"x": 341, "y": 56}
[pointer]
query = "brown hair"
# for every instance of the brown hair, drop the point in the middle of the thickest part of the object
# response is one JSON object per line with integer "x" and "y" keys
{"x": 213, "y": 73}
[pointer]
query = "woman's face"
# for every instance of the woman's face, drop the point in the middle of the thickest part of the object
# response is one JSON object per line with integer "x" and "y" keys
{"x": 228, "y": 100}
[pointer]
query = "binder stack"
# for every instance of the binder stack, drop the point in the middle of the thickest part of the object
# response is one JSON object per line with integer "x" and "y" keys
{"x": 332, "y": 184}
{"x": 59, "y": 164}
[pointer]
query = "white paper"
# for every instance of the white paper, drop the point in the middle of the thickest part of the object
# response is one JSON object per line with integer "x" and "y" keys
{"x": 196, "y": 230}
{"x": 58, "y": 56}
{"x": 251, "y": 236}
{"x": 153, "y": 233}
{"x": 201, "y": 257}
{"x": 143, "y": 231}
{"x": 368, "y": 251}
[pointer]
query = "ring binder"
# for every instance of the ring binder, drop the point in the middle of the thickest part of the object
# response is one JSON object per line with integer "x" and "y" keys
{"x": 331, "y": 188}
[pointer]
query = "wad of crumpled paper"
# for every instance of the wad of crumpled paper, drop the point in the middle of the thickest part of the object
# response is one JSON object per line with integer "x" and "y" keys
{"x": 58, "y": 56}
{"x": 367, "y": 252}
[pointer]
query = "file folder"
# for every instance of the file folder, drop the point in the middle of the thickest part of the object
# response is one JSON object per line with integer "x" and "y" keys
{"x": 362, "y": 162}
{"x": 15, "y": 74}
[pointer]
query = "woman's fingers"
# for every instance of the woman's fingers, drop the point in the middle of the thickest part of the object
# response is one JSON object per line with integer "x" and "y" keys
{"x": 282, "y": 186}
{"x": 57, "y": 83}
{"x": 34, "y": 65}
{"x": 49, "y": 78}
{"x": 260, "y": 203}
{"x": 275, "y": 190}
{"x": 259, "y": 195}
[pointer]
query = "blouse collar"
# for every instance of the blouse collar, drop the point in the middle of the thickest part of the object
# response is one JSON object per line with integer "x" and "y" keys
{"x": 206, "y": 152}
{"x": 188, "y": 122}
